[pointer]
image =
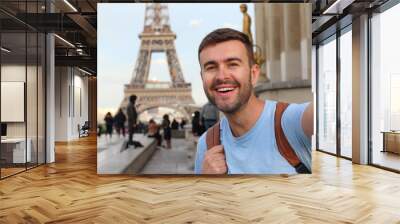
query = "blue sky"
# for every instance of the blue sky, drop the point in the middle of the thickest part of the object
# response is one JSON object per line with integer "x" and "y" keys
{"x": 118, "y": 44}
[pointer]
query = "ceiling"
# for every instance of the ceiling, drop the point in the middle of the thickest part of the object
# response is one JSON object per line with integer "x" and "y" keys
{"x": 75, "y": 21}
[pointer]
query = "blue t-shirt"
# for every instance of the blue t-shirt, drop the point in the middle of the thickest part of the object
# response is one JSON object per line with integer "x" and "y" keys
{"x": 256, "y": 152}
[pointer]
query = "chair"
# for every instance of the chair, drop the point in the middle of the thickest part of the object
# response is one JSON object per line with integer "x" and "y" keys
{"x": 84, "y": 130}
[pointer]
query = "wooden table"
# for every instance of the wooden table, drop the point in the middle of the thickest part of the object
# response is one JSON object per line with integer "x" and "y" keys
{"x": 13, "y": 150}
{"x": 391, "y": 141}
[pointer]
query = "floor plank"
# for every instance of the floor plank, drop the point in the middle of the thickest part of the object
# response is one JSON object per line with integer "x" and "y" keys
{"x": 70, "y": 191}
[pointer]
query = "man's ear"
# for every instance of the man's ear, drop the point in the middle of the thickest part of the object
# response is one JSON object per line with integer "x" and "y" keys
{"x": 255, "y": 74}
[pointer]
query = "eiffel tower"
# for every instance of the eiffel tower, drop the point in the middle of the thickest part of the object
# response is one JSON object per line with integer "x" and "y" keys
{"x": 157, "y": 36}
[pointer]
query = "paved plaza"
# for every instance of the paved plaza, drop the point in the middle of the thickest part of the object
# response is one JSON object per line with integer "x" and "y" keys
{"x": 113, "y": 157}
{"x": 177, "y": 160}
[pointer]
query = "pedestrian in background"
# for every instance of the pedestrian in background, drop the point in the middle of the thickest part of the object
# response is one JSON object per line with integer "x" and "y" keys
{"x": 132, "y": 118}
{"x": 174, "y": 124}
{"x": 154, "y": 131}
{"x": 166, "y": 124}
{"x": 209, "y": 115}
{"x": 197, "y": 128}
{"x": 109, "y": 124}
{"x": 183, "y": 123}
{"x": 119, "y": 120}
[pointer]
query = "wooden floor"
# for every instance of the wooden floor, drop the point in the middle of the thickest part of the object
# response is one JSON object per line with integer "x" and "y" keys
{"x": 387, "y": 159}
{"x": 70, "y": 191}
{"x": 10, "y": 171}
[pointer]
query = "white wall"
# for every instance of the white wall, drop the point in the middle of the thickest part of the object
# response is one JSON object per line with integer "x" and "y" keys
{"x": 33, "y": 125}
{"x": 61, "y": 103}
{"x": 13, "y": 73}
{"x": 71, "y": 94}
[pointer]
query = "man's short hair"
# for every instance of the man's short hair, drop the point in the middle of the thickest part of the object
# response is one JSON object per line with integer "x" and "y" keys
{"x": 225, "y": 34}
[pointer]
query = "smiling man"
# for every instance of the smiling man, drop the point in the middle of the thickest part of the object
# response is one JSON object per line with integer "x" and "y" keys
{"x": 255, "y": 136}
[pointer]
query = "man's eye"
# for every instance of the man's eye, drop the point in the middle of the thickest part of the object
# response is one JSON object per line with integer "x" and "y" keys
{"x": 208, "y": 68}
{"x": 233, "y": 64}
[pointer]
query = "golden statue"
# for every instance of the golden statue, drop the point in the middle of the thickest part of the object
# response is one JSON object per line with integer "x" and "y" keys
{"x": 258, "y": 55}
{"x": 258, "y": 58}
{"x": 246, "y": 22}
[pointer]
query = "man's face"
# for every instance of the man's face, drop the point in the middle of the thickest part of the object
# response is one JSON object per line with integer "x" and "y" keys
{"x": 228, "y": 79}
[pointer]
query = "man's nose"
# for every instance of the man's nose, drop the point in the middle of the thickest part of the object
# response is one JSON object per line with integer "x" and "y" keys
{"x": 222, "y": 72}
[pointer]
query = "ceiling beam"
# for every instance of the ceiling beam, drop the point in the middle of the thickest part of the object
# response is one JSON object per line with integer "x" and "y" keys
{"x": 83, "y": 61}
{"x": 84, "y": 24}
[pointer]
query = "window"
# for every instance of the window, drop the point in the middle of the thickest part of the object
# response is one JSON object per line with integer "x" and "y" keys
{"x": 346, "y": 92}
{"x": 327, "y": 95}
{"x": 23, "y": 76}
{"x": 385, "y": 88}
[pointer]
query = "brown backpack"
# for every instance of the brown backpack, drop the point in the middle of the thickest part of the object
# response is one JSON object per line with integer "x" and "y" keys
{"x": 285, "y": 149}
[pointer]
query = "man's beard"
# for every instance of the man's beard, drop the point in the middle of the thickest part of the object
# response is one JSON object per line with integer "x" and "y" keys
{"x": 242, "y": 98}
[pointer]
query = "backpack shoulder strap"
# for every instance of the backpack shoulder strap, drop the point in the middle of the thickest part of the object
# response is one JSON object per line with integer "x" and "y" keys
{"x": 212, "y": 136}
{"x": 284, "y": 147}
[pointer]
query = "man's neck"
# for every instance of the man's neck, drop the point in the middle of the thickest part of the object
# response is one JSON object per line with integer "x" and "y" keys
{"x": 243, "y": 120}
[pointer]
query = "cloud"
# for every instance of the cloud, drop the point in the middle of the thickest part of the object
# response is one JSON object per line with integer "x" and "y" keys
{"x": 194, "y": 23}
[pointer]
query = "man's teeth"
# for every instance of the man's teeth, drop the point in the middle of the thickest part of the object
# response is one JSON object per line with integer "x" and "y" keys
{"x": 225, "y": 89}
